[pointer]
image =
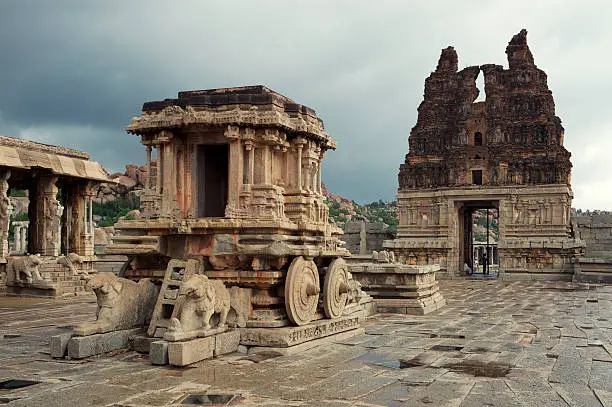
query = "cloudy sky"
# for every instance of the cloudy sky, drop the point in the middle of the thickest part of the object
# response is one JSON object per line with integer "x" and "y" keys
{"x": 73, "y": 73}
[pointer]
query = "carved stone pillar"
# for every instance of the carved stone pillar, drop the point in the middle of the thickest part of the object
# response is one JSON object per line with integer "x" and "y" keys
{"x": 47, "y": 234}
{"x": 267, "y": 165}
{"x": 236, "y": 166}
{"x": 76, "y": 218}
{"x": 319, "y": 182}
{"x": 148, "y": 183}
{"x": 251, "y": 164}
{"x": 5, "y": 214}
{"x": 17, "y": 238}
{"x": 300, "y": 146}
{"x": 24, "y": 236}
{"x": 91, "y": 223}
{"x": 159, "y": 169}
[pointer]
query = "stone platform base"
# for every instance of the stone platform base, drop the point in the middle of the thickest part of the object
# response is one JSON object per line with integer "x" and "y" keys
{"x": 23, "y": 289}
{"x": 510, "y": 275}
{"x": 593, "y": 270}
{"x": 411, "y": 306}
{"x": 294, "y": 335}
{"x": 194, "y": 350}
{"x": 292, "y": 350}
{"x": 399, "y": 288}
{"x": 79, "y": 347}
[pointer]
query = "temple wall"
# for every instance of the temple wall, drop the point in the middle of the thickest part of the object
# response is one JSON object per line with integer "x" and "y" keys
{"x": 534, "y": 229}
{"x": 596, "y": 231}
{"x": 373, "y": 236}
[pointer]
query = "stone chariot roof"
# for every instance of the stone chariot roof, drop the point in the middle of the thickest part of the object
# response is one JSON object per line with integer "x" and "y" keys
{"x": 254, "y": 106}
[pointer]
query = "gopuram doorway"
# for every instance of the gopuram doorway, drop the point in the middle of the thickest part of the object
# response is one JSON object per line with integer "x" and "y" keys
{"x": 478, "y": 237}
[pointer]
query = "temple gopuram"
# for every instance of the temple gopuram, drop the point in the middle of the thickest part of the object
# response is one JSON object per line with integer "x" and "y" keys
{"x": 505, "y": 154}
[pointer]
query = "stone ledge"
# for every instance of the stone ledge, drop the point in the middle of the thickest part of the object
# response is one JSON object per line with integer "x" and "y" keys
{"x": 80, "y": 347}
{"x": 192, "y": 351}
{"x": 292, "y": 350}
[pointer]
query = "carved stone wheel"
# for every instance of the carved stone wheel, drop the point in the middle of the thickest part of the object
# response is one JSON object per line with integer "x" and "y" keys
{"x": 335, "y": 288}
{"x": 302, "y": 290}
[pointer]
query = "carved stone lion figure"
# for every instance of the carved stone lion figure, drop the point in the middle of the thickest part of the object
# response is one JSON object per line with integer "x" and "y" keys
{"x": 73, "y": 261}
{"x": 122, "y": 303}
{"x": 201, "y": 299}
{"x": 24, "y": 269}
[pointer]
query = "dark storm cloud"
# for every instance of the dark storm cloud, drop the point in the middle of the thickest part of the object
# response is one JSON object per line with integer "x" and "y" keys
{"x": 74, "y": 72}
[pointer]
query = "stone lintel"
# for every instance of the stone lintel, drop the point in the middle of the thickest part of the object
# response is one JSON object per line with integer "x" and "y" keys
{"x": 294, "y": 335}
{"x": 488, "y": 193}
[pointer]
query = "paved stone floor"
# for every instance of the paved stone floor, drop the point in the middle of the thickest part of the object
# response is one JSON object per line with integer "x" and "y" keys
{"x": 494, "y": 344}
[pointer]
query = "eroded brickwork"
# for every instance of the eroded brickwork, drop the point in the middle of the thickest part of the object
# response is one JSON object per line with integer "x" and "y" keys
{"x": 513, "y": 138}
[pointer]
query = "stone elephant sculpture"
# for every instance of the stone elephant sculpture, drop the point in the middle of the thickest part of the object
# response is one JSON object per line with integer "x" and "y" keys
{"x": 200, "y": 299}
{"x": 24, "y": 269}
{"x": 122, "y": 303}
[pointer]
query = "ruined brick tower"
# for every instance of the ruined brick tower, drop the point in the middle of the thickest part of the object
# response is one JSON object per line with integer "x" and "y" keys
{"x": 505, "y": 153}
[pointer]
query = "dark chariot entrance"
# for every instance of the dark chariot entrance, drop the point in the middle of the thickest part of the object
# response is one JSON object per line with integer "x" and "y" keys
{"x": 212, "y": 180}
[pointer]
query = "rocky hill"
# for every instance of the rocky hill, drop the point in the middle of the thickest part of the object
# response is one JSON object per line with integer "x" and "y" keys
{"x": 342, "y": 210}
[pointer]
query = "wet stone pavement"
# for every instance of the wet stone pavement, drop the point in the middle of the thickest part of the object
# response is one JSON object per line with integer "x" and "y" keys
{"x": 494, "y": 344}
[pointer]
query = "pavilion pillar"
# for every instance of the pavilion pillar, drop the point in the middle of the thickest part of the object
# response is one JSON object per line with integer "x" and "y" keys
{"x": 319, "y": 183}
{"x": 76, "y": 207}
{"x": 148, "y": 183}
{"x": 46, "y": 236}
{"x": 300, "y": 146}
{"x": 236, "y": 168}
{"x": 250, "y": 179}
{"x": 5, "y": 214}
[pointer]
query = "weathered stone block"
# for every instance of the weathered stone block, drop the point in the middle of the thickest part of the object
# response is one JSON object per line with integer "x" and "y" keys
{"x": 80, "y": 347}
{"x": 59, "y": 345}
{"x": 158, "y": 353}
{"x": 188, "y": 352}
{"x": 227, "y": 342}
{"x": 142, "y": 343}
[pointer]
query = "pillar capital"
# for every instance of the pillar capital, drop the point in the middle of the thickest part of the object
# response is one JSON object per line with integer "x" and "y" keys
{"x": 164, "y": 136}
{"x": 232, "y": 132}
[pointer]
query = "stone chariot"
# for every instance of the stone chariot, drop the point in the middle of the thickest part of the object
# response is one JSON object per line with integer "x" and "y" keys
{"x": 235, "y": 185}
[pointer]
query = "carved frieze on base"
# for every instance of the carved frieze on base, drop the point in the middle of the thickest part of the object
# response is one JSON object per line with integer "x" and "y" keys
{"x": 294, "y": 335}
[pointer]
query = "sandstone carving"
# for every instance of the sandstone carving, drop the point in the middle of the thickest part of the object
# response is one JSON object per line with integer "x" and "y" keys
{"x": 199, "y": 299}
{"x": 52, "y": 226}
{"x": 236, "y": 187}
{"x": 74, "y": 262}
{"x": 5, "y": 213}
{"x": 122, "y": 304}
{"x": 336, "y": 288}
{"x": 302, "y": 290}
{"x": 355, "y": 292}
{"x": 24, "y": 269}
